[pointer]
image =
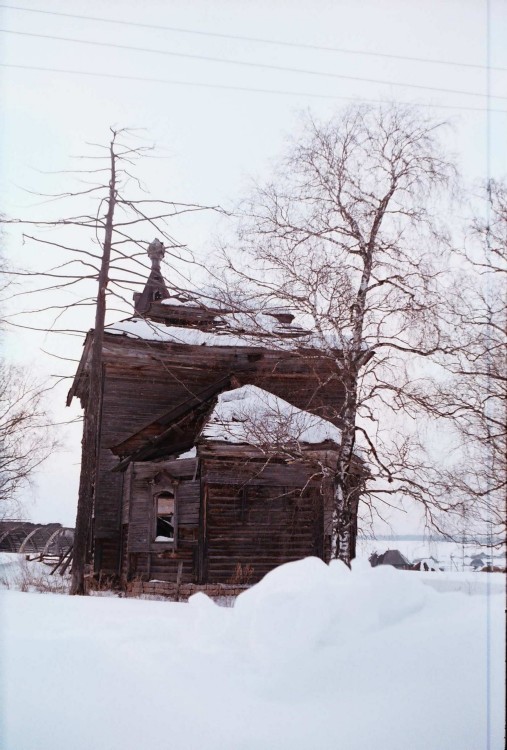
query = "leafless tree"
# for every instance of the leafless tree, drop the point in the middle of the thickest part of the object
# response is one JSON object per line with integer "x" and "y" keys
{"x": 346, "y": 236}
{"x": 473, "y": 398}
{"x": 27, "y": 437}
{"x": 106, "y": 245}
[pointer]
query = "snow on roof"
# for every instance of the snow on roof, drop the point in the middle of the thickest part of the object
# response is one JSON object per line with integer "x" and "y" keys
{"x": 178, "y": 300}
{"x": 148, "y": 330}
{"x": 251, "y": 415}
{"x": 271, "y": 333}
{"x": 393, "y": 557}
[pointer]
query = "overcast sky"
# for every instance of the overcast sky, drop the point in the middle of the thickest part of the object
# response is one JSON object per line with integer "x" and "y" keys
{"x": 213, "y": 121}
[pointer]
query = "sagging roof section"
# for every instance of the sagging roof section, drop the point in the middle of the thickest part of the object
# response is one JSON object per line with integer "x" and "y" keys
{"x": 252, "y": 415}
{"x": 229, "y": 413}
{"x": 178, "y": 426}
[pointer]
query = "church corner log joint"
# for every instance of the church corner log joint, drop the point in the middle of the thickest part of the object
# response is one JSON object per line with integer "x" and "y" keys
{"x": 217, "y": 444}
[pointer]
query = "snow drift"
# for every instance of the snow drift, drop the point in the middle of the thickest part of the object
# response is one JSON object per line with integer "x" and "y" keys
{"x": 314, "y": 656}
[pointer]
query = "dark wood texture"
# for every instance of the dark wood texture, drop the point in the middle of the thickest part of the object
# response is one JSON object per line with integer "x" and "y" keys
{"x": 145, "y": 380}
{"x": 162, "y": 560}
{"x": 260, "y": 516}
{"x": 232, "y": 521}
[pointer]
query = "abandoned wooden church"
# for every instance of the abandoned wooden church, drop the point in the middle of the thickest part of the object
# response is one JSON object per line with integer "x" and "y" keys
{"x": 216, "y": 443}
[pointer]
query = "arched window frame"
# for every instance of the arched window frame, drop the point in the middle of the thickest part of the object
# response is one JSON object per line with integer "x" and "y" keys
{"x": 156, "y": 496}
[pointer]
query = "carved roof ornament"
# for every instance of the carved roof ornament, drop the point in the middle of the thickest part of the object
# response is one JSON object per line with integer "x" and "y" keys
{"x": 155, "y": 288}
{"x": 156, "y": 252}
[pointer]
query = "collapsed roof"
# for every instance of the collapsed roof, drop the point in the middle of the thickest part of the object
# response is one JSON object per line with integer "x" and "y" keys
{"x": 229, "y": 413}
{"x": 252, "y": 415}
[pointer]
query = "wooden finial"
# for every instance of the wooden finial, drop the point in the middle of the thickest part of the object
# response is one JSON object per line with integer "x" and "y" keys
{"x": 156, "y": 252}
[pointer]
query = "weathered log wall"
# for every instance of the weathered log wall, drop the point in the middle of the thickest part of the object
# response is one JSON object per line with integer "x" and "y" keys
{"x": 142, "y": 380}
{"x": 165, "y": 561}
{"x": 257, "y": 518}
{"x": 235, "y": 519}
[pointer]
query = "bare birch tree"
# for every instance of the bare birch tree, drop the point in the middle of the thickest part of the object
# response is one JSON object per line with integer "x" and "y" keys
{"x": 345, "y": 235}
{"x": 474, "y": 396}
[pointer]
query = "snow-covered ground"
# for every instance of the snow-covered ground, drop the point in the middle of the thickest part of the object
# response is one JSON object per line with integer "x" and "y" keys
{"x": 19, "y": 574}
{"x": 313, "y": 657}
{"x": 452, "y": 556}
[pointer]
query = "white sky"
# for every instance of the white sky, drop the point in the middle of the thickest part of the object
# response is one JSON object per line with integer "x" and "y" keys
{"x": 214, "y": 140}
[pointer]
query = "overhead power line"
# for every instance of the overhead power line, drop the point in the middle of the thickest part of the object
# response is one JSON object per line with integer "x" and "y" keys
{"x": 245, "y": 63}
{"x": 225, "y": 87}
{"x": 257, "y": 40}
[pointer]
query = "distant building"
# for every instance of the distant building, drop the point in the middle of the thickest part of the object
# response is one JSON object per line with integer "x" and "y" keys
{"x": 46, "y": 539}
{"x": 391, "y": 557}
{"x": 427, "y": 563}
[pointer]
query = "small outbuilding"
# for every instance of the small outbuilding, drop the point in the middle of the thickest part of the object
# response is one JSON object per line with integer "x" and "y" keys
{"x": 390, "y": 557}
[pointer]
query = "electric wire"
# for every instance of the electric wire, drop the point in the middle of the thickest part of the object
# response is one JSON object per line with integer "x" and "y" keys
{"x": 246, "y": 63}
{"x": 257, "y": 40}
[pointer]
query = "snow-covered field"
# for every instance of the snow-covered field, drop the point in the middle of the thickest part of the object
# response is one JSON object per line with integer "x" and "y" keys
{"x": 452, "y": 556}
{"x": 313, "y": 657}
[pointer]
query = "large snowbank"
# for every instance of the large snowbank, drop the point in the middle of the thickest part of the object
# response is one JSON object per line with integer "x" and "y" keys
{"x": 314, "y": 656}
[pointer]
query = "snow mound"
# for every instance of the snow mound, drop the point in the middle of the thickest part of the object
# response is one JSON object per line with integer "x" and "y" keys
{"x": 307, "y": 607}
{"x": 314, "y": 656}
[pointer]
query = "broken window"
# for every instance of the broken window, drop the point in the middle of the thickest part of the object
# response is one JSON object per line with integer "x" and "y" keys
{"x": 166, "y": 517}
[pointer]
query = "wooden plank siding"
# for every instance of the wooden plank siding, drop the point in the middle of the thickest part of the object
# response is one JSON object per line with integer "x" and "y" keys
{"x": 144, "y": 379}
{"x": 228, "y": 515}
{"x": 256, "y": 523}
{"x": 159, "y": 560}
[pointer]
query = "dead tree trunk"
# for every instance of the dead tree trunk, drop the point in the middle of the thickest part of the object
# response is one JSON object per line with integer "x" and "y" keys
{"x": 116, "y": 268}
{"x": 91, "y": 423}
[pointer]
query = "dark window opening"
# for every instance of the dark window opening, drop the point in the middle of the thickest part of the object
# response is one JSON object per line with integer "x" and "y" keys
{"x": 166, "y": 518}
